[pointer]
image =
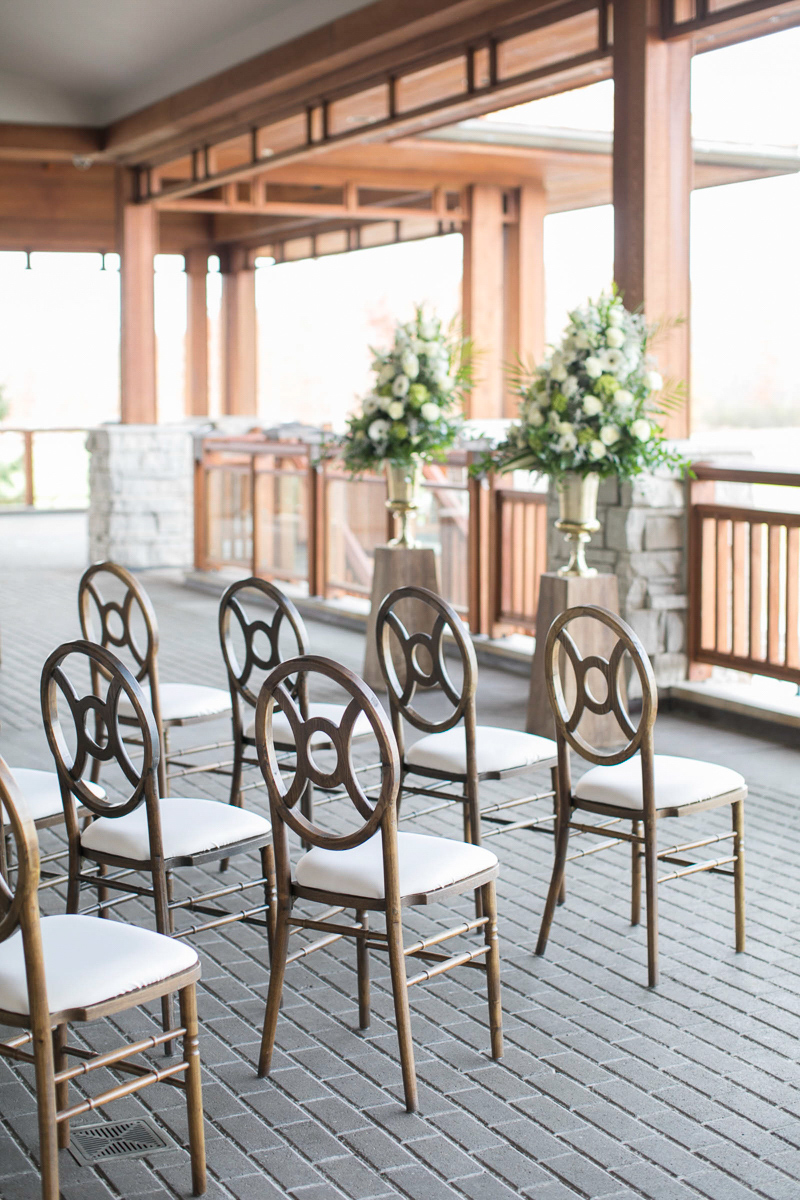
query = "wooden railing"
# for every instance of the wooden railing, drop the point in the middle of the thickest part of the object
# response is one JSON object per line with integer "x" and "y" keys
{"x": 744, "y": 576}
{"x": 43, "y": 468}
{"x": 271, "y": 508}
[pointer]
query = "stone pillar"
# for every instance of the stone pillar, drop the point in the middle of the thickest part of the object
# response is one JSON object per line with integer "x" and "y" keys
{"x": 141, "y": 495}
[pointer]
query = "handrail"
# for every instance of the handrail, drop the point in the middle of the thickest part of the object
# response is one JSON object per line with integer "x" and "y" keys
{"x": 774, "y": 476}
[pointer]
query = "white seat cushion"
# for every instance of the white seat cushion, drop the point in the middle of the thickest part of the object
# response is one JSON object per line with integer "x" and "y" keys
{"x": 678, "y": 782}
{"x": 282, "y": 731}
{"x": 188, "y": 826}
{"x": 185, "y": 702}
{"x": 426, "y": 864}
{"x": 42, "y": 792}
{"x": 495, "y": 750}
{"x": 88, "y": 960}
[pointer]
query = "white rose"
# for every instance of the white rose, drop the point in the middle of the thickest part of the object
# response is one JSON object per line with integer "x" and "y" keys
{"x": 609, "y": 434}
{"x": 430, "y": 411}
{"x": 564, "y": 427}
{"x": 641, "y": 430}
{"x": 615, "y": 338}
{"x": 592, "y": 405}
{"x": 567, "y": 442}
{"x": 570, "y": 386}
{"x": 623, "y": 398}
{"x": 378, "y": 430}
{"x": 593, "y": 367}
{"x": 401, "y": 385}
{"x": 535, "y": 417}
{"x": 396, "y": 410}
{"x": 596, "y": 450}
{"x": 654, "y": 381}
{"x": 558, "y": 372}
{"x": 616, "y": 316}
{"x": 410, "y": 364}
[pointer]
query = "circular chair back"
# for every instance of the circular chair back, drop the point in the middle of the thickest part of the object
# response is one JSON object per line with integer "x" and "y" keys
{"x": 561, "y": 648}
{"x": 241, "y": 632}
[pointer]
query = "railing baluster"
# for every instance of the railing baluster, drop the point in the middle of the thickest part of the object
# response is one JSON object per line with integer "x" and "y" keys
{"x": 740, "y": 614}
{"x": 774, "y": 594}
{"x": 756, "y": 589}
{"x": 792, "y": 656}
{"x": 722, "y": 627}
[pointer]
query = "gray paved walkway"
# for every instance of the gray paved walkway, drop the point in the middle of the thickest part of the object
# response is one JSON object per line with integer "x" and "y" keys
{"x": 606, "y": 1090}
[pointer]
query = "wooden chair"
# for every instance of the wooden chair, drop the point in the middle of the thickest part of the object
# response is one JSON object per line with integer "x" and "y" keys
{"x": 279, "y": 624}
{"x": 454, "y": 748}
{"x": 55, "y": 970}
{"x": 41, "y": 792}
{"x": 632, "y": 783}
{"x": 371, "y": 868}
{"x": 126, "y": 623}
{"x": 139, "y": 832}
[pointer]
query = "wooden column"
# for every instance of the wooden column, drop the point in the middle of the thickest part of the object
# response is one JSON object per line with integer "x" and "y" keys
{"x": 524, "y": 284}
{"x": 239, "y": 348}
{"x": 653, "y": 180}
{"x": 482, "y": 296}
{"x": 196, "y": 333}
{"x": 138, "y": 241}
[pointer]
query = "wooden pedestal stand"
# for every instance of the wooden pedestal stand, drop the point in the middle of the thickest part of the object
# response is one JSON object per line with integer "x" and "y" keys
{"x": 557, "y": 592}
{"x": 396, "y": 566}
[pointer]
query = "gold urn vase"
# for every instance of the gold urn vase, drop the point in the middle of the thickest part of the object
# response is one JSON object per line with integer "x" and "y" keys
{"x": 577, "y": 519}
{"x": 402, "y": 486}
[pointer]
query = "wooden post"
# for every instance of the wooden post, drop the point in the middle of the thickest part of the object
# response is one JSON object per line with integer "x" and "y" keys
{"x": 524, "y": 284}
{"x": 482, "y": 296}
{"x": 28, "y": 465}
{"x": 138, "y": 240}
{"x": 652, "y": 180}
{"x": 239, "y": 349}
{"x": 196, "y": 333}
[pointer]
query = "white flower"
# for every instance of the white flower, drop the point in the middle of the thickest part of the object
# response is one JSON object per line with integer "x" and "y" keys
{"x": 609, "y": 434}
{"x": 612, "y": 360}
{"x": 567, "y": 442}
{"x": 370, "y": 405}
{"x": 654, "y": 381}
{"x": 430, "y": 411}
{"x": 616, "y": 316}
{"x": 641, "y": 430}
{"x": 535, "y": 417}
{"x": 401, "y": 385}
{"x": 596, "y": 450}
{"x": 582, "y": 340}
{"x": 623, "y": 398}
{"x": 378, "y": 430}
{"x": 396, "y": 410}
{"x": 410, "y": 364}
{"x": 615, "y": 338}
{"x": 592, "y": 405}
{"x": 558, "y": 372}
{"x": 570, "y": 386}
{"x": 427, "y": 328}
{"x": 593, "y": 367}
{"x": 386, "y": 374}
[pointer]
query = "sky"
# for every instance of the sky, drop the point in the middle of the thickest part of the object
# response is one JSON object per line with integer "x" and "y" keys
{"x": 59, "y": 321}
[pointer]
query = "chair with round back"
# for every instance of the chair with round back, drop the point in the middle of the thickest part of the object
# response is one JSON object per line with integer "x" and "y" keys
{"x": 116, "y": 613}
{"x": 631, "y": 783}
{"x": 370, "y": 867}
{"x": 62, "y": 969}
{"x": 453, "y": 748}
{"x": 139, "y": 831}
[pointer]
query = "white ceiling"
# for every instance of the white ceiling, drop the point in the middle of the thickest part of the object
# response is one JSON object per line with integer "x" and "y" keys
{"x": 71, "y": 62}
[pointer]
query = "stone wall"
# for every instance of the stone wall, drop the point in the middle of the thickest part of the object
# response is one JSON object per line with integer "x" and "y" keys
{"x": 141, "y": 495}
{"x": 643, "y": 542}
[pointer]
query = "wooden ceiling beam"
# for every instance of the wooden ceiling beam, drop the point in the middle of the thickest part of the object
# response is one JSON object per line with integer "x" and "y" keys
{"x": 48, "y": 143}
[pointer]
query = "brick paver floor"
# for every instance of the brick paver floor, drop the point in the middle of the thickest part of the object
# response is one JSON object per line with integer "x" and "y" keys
{"x": 607, "y": 1090}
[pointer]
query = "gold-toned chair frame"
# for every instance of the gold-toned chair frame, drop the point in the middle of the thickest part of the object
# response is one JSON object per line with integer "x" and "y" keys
{"x": 145, "y": 658}
{"x": 143, "y": 779}
{"x": 46, "y": 1031}
{"x": 401, "y": 698}
{"x": 379, "y": 816}
{"x": 639, "y": 738}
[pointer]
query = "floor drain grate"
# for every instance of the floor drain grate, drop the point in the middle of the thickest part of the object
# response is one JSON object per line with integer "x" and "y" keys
{"x": 91, "y": 1144}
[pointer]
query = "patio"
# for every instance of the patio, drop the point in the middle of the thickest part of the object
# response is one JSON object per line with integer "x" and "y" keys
{"x": 605, "y": 1090}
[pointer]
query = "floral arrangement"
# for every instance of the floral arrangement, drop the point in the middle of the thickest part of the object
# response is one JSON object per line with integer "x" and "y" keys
{"x": 414, "y": 410}
{"x": 589, "y": 407}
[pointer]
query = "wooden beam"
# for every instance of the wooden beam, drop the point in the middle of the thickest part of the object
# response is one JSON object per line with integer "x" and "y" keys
{"x": 196, "y": 399}
{"x": 289, "y": 208}
{"x": 482, "y": 296}
{"x": 524, "y": 284}
{"x": 239, "y": 334}
{"x": 138, "y": 240}
{"x": 48, "y": 143}
{"x": 652, "y": 180}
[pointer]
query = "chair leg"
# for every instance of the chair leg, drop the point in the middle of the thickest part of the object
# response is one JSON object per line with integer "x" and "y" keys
{"x": 737, "y": 818}
{"x": 562, "y": 894}
{"x": 62, "y": 1089}
{"x": 556, "y": 879}
{"x": 280, "y": 948}
{"x": 187, "y": 998}
{"x": 73, "y": 886}
{"x": 636, "y": 876}
{"x": 46, "y": 1112}
{"x": 362, "y": 962}
{"x": 268, "y": 874}
{"x": 493, "y": 969}
{"x": 236, "y": 788}
{"x": 163, "y": 925}
{"x": 651, "y": 898}
{"x": 163, "y": 775}
{"x": 397, "y": 966}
